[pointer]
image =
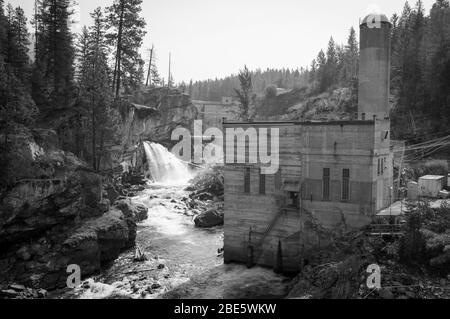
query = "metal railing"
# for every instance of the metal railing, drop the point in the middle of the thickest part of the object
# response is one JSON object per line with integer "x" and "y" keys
{"x": 386, "y": 229}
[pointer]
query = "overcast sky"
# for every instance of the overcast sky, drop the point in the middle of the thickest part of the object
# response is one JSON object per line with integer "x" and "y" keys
{"x": 215, "y": 38}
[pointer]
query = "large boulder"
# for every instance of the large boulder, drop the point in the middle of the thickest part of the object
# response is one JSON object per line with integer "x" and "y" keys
{"x": 210, "y": 218}
{"x": 110, "y": 232}
{"x": 136, "y": 211}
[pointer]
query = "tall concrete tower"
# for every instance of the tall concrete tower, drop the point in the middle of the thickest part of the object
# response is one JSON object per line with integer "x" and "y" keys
{"x": 374, "y": 67}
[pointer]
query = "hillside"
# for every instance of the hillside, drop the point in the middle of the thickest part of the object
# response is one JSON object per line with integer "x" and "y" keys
{"x": 301, "y": 105}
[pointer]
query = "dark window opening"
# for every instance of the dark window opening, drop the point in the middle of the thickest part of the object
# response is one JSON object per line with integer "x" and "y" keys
{"x": 326, "y": 184}
{"x": 346, "y": 185}
{"x": 294, "y": 197}
{"x": 262, "y": 183}
{"x": 247, "y": 181}
{"x": 278, "y": 181}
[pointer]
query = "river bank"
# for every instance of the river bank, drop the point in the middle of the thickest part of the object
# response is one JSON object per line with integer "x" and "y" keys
{"x": 183, "y": 261}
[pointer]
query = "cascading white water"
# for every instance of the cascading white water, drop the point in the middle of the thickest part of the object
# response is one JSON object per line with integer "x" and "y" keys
{"x": 165, "y": 167}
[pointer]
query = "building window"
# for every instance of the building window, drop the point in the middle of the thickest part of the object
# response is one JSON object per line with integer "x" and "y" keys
{"x": 326, "y": 184}
{"x": 379, "y": 167}
{"x": 346, "y": 185}
{"x": 382, "y": 166}
{"x": 262, "y": 183}
{"x": 278, "y": 181}
{"x": 247, "y": 181}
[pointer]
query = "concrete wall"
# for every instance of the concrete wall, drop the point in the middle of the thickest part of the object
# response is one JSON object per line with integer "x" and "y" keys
{"x": 305, "y": 150}
{"x": 338, "y": 147}
{"x": 212, "y": 113}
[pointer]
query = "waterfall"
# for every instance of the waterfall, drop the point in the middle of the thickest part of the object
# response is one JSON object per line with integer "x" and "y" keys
{"x": 165, "y": 167}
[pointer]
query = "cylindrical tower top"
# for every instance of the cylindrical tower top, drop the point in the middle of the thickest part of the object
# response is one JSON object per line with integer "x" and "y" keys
{"x": 374, "y": 18}
{"x": 374, "y": 68}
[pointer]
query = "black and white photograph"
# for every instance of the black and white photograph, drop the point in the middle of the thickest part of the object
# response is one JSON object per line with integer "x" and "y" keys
{"x": 242, "y": 151}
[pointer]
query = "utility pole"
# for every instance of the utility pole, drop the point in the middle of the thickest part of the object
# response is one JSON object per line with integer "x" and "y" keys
{"x": 169, "y": 82}
{"x": 401, "y": 168}
{"x": 150, "y": 63}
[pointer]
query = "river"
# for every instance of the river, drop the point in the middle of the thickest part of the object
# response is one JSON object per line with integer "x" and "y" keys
{"x": 183, "y": 261}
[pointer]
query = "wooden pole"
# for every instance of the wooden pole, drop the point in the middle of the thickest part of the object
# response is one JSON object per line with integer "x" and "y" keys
{"x": 169, "y": 82}
{"x": 279, "y": 262}
{"x": 400, "y": 170}
{"x": 148, "y": 82}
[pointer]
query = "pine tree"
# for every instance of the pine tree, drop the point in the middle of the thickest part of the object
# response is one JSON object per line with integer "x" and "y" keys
{"x": 82, "y": 54}
{"x": 351, "y": 59}
{"x": 94, "y": 83}
{"x": 331, "y": 65}
{"x": 313, "y": 71}
{"x": 321, "y": 71}
{"x": 17, "y": 109}
{"x": 54, "y": 67}
{"x": 2, "y": 27}
{"x": 437, "y": 63}
{"x": 244, "y": 93}
{"x": 21, "y": 61}
{"x": 127, "y": 33}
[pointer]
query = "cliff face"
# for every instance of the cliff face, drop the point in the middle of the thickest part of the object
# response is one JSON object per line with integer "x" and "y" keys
{"x": 151, "y": 115}
{"x": 55, "y": 215}
{"x": 155, "y": 114}
{"x": 56, "y": 211}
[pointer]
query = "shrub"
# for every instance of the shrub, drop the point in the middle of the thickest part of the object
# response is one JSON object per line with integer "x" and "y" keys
{"x": 271, "y": 92}
{"x": 209, "y": 180}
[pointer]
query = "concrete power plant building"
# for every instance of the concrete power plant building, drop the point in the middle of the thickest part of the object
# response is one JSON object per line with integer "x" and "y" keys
{"x": 333, "y": 176}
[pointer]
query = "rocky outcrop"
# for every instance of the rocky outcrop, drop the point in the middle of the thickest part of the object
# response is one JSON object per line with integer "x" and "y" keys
{"x": 302, "y": 105}
{"x": 56, "y": 216}
{"x": 155, "y": 114}
{"x": 150, "y": 115}
{"x": 339, "y": 280}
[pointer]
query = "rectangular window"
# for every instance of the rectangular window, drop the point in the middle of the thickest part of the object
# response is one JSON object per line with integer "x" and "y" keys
{"x": 382, "y": 166}
{"x": 379, "y": 167}
{"x": 247, "y": 181}
{"x": 262, "y": 183}
{"x": 278, "y": 180}
{"x": 346, "y": 185}
{"x": 326, "y": 184}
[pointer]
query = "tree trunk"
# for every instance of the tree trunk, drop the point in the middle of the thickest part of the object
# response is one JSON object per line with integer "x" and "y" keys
{"x": 119, "y": 48}
{"x": 94, "y": 137}
{"x": 100, "y": 153}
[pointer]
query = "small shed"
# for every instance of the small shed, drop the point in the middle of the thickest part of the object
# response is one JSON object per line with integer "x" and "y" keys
{"x": 413, "y": 191}
{"x": 431, "y": 185}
